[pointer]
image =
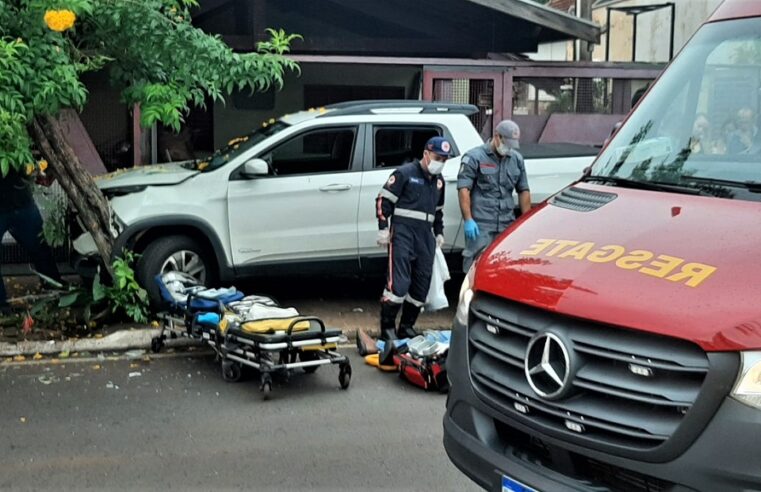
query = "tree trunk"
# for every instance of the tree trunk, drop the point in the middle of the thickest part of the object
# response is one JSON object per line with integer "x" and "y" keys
{"x": 83, "y": 193}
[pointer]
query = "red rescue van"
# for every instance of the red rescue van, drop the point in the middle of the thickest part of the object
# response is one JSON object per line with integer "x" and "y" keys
{"x": 611, "y": 338}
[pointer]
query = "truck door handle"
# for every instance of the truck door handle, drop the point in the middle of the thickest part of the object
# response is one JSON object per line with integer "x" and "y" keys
{"x": 336, "y": 187}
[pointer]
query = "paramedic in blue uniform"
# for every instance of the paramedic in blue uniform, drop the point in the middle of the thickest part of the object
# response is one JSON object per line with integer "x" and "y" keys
{"x": 488, "y": 175}
{"x": 410, "y": 221}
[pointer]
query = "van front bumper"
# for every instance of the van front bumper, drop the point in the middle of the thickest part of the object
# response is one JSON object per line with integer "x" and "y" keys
{"x": 486, "y": 444}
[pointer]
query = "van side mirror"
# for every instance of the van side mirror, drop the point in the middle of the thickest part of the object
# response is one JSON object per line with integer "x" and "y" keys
{"x": 255, "y": 167}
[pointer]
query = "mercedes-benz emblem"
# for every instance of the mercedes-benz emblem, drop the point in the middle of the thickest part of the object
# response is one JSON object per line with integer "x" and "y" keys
{"x": 548, "y": 366}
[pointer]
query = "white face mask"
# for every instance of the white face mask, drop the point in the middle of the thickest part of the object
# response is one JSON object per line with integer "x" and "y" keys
{"x": 435, "y": 167}
{"x": 503, "y": 149}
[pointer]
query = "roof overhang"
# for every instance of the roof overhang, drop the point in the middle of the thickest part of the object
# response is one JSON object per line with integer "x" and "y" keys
{"x": 561, "y": 24}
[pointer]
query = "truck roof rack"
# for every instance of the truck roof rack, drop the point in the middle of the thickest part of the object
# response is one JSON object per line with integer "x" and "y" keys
{"x": 401, "y": 106}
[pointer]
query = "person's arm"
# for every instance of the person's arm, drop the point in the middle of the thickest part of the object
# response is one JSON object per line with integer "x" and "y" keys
{"x": 465, "y": 181}
{"x": 438, "y": 221}
{"x": 387, "y": 198}
{"x": 524, "y": 198}
{"x": 464, "y": 195}
{"x": 524, "y": 193}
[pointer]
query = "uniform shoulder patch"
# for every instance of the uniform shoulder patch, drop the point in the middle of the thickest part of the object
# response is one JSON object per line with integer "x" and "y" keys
{"x": 391, "y": 180}
{"x": 439, "y": 183}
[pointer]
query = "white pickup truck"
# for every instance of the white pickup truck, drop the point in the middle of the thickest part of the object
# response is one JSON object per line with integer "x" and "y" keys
{"x": 296, "y": 195}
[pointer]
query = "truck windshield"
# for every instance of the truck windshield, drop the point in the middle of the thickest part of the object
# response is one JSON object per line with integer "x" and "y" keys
{"x": 699, "y": 125}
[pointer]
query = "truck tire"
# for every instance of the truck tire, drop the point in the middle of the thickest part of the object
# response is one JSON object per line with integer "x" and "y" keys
{"x": 174, "y": 253}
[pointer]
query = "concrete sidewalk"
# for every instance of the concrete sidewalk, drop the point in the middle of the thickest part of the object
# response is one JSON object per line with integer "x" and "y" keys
{"x": 347, "y": 306}
{"x": 139, "y": 337}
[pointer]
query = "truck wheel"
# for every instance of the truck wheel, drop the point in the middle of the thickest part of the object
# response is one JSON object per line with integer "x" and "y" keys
{"x": 174, "y": 254}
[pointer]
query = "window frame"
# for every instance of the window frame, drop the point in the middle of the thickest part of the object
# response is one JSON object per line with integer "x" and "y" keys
{"x": 355, "y": 161}
{"x": 369, "y": 161}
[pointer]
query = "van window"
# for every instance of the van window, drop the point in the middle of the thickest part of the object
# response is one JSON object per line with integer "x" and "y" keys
{"x": 699, "y": 126}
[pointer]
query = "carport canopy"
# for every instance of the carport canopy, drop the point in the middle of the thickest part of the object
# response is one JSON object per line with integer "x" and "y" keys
{"x": 451, "y": 28}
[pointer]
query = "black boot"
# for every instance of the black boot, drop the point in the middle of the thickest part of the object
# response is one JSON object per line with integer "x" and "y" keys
{"x": 410, "y": 313}
{"x": 388, "y": 314}
{"x": 388, "y": 326}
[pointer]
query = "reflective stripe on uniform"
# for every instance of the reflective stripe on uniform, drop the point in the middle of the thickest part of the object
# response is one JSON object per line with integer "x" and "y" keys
{"x": 388, "y": 195}
{"x": 414, "y": 302}
{"x": 391, "y": 297}
{"x": 413, "y": 214}
{"x": 440, "y": 207}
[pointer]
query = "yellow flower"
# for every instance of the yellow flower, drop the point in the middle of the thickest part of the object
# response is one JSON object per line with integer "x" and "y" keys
{"x": 60, "y": 20}
{"x": 272, "y": 121}
{"x": 29, "y": 169}
{"x": 43, "y": 165}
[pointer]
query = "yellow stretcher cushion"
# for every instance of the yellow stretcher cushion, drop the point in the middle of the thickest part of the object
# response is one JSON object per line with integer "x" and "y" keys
{"x": 274, "y": 325}
{"x": 265, "y": 326}
{"x": 312, "y": 348}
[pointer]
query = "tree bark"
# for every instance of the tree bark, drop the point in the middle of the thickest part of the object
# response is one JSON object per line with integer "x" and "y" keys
{"x": 83, "y": 193}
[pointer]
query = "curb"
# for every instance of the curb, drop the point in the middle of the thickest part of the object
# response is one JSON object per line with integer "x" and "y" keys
{"x": 118, "y": 341}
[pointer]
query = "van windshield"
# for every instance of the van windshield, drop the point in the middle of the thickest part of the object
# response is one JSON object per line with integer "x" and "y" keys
{"x": 699, "y": 126}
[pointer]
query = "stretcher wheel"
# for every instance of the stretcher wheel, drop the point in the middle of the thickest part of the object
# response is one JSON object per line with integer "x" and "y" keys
{"x": 156, "y": 344}
{"x": 266, "y": 390}
{"x": 231, "y": 371}
{"x": 266, "y": 387}
{"x": 344, "y": 376}
{"x": 307, "y": 357}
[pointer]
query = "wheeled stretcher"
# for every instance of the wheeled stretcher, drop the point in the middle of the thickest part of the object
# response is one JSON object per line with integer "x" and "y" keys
{"x": 248, "y": 331}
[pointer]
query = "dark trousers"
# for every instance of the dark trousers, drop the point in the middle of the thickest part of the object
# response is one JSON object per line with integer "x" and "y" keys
{"x": 25, "y": 225}
{"x": 411, "y": 254}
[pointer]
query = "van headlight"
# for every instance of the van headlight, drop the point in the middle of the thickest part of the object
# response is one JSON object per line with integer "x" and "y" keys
{"x": 466, "y": 295}
{"x": 748, "y": 387}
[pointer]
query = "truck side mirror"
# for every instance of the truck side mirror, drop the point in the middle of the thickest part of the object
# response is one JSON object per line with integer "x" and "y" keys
{"x": 255, "y": 167}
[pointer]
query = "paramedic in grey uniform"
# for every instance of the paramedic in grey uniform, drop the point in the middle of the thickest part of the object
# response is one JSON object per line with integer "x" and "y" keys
{"x": 488, "y": 175}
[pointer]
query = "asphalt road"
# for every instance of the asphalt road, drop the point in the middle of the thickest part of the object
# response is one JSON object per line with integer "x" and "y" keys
{"x": 172, "y": 423}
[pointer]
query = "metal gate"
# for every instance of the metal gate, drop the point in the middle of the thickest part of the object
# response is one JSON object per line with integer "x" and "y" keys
{"x": 483, "y": 90}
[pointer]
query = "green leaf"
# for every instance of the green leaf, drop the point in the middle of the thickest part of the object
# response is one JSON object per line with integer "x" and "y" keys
{"x": 68, "y": 300}
{"x": 99, "y": 292}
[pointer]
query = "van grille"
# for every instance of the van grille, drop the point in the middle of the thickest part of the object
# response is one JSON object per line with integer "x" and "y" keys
{"x": 608, "y": 405}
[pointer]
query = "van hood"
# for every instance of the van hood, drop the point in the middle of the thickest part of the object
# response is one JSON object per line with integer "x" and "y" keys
{"x": 677, "y": 265}
{"x": 153, "y": 175}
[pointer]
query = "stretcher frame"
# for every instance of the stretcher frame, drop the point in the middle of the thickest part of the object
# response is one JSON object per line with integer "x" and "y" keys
{"x": 235, "y": 350}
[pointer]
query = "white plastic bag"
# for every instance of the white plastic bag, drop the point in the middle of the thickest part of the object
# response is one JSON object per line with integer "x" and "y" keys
{"x": 437, "y": 298}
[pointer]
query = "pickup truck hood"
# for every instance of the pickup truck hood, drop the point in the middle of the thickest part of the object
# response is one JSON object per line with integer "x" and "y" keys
{"x": 154, "y": 175}
{"x": 677, "y": 265}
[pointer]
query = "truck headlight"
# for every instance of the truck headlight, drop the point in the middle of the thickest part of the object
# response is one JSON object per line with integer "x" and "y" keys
{"x": 466, "y": 295}
{"x": 748, "y": 387}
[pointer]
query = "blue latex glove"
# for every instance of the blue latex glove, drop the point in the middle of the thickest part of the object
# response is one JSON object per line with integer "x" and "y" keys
{"x": 471, "y": 230}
